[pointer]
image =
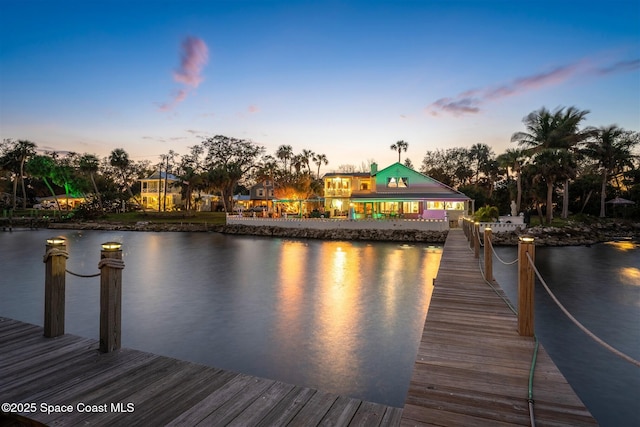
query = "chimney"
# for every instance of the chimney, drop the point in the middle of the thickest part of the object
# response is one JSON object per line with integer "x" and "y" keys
{"x": 374, "y": 168}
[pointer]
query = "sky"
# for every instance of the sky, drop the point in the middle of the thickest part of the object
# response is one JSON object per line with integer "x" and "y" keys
{"x": 342, "y": 78}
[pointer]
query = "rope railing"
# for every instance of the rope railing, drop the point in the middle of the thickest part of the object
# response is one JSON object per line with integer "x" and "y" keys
{"x": 110, "y": 266}
{"x": 498, "y": 257}
{"x": 104, "y": 262}
{"x": 577, "y": 323}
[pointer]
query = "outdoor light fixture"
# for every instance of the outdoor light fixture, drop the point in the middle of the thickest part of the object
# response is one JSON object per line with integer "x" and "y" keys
{"x": 526, "y": 239}
{"x": 111, "y": 246}
{"x": 487, "y": 229}
{"x": 56, "y": 241}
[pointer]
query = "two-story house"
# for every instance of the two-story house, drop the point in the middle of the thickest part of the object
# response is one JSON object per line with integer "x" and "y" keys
{"x": 395, "y": 191}
{"x": 153, "y": 195}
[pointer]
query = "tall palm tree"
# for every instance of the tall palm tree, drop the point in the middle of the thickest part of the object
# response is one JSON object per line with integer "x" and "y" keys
{"x": 119, "y": 159}
{"x": 284, "y": 153}
{"x": 611, "y": 147}
{"x": 399, "y": 146}
{"x": 89, "y": 164}
{"x": 307, "y": 155}
{"x": 553, "y": 131}
{"x": 319, "y": 159}
{"x": 513, "y": 159}
{"x": 480, "y": 154}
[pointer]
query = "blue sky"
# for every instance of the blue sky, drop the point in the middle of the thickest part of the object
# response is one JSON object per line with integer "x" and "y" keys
{"x": 343, "y": 78}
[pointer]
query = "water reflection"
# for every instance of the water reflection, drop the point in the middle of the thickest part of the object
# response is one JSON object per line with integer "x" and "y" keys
{"x": 599, "y": 286}
{"x": 343, "y": 317}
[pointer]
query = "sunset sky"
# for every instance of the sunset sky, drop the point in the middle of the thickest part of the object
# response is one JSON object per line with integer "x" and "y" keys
{"x": 343, "y": 78}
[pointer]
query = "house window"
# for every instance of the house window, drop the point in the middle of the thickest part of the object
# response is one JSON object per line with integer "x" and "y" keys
{"x": 364, "y": 186}
{"x": 260, "y": 192}
{"x": 398, "y": 182}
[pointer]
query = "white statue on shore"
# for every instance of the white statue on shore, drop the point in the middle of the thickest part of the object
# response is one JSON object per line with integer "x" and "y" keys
{"x": 514, "y": 210}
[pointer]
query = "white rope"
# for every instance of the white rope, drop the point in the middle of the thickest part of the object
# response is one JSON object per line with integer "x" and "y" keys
{"x": 498, "y": 257}
{"x": 578, "y": 324}
{"x": 478, "y": 235}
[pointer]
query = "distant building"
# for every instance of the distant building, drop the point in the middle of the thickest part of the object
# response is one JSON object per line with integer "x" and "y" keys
{"x": 152, "y": 192}
{"x": 393, "y": 192}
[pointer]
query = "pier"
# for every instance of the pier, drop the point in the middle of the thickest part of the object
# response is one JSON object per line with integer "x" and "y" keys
{"x": 472, "y": 368}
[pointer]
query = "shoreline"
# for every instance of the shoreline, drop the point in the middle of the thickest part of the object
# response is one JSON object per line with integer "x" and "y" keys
{"x": 575, "y": 235}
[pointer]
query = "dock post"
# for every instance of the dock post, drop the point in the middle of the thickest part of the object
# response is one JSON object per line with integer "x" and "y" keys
{"x": 111, "y": 266}
{"x": 55, "y": 260}
{"x": 472, "y": 235}
{"x": 476, "y": 241}
{"x": 525, "y": 286}
{"x": 488, "y": 255}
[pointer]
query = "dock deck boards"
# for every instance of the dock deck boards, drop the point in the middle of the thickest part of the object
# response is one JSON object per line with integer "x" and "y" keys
{"x": 68, "y": 370}
{"x": 472, "y": 366}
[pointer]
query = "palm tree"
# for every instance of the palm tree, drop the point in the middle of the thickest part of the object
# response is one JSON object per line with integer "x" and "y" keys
{"x": 307, "y": 155}
{"x": 319, "y": 159}
{"x": 119, "y": 159}
{"x": 284, "y": 153}
{"x": 611, "y": 147}
{"x": 513, "y": 159}
{"x": 480, "y": 154}
{"x": 14, "y": 157}
{"x": 89, "y": 163}
{"x": 399, "y": 146}
{"x": 554, "y": 131}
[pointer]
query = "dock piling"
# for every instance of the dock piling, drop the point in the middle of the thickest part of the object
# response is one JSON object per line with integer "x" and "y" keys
{"x": 55, "y": 260}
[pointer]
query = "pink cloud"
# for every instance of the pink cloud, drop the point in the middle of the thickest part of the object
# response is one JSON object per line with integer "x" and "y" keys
{"x": 470, "y": 101}
{"x": 253, "y": 109}
{"x": 195, "y": 55}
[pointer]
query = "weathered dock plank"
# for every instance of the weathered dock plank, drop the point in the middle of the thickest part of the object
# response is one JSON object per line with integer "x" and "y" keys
{"x": 472, "y": 367}
{"x": 130, "y": 387}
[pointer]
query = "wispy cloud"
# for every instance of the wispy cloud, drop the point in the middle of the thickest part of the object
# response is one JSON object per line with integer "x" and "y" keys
{"x": 471, "y": 101}
{"x": 253, "y": 109}
{"x": 194, "y": 57}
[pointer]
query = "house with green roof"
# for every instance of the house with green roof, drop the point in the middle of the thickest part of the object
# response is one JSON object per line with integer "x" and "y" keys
{"x": 396, "y": 191}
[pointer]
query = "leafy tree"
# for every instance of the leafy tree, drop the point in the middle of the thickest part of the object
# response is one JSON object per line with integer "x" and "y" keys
{"x": 43, "y": 167}
{"x": 231, "y": 158}
{"x": 399, "y": 146}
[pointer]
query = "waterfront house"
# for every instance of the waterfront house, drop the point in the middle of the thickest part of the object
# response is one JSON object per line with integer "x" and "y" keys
{"x": 153, "y": 195}
{"x": 261, "y": 194}
{"x": 396, "y": 191}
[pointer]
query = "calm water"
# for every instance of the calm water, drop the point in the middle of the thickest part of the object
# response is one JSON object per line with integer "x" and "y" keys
{"x": 600, "y": 286}
{"x": 342, "y": 317}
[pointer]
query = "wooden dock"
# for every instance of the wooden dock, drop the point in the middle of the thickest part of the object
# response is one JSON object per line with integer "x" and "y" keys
{"x": 472, "y": 367}
{"x": 129, "y": 387}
